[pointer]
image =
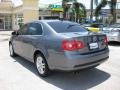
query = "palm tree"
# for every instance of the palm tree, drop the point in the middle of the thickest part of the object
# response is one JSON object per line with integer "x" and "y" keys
{"x": 112, "y": 4}
{"x": 80, "y": 10}
{"x": 102, "y": 4}
{"x": 65, "y": 8}
{"x": 113, "y": 9}
{"x": 77, "y": 10}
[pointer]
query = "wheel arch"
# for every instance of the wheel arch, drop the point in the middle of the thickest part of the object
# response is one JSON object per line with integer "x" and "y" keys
{"x": 38, "y": 52}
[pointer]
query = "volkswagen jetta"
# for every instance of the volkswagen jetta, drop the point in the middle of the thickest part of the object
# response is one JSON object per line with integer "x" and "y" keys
{"x": 59, "y": 45}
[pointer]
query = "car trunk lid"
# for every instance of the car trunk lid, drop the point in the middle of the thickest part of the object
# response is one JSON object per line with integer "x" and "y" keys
{"x": 92, "y": 42}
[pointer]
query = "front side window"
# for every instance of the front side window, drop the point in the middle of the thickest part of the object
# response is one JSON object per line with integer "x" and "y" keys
{"x": 63, "y": 27}
{"x": 23, "y": 30}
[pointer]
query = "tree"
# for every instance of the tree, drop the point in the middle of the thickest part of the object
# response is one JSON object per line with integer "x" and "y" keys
{"x": 76, "y": 9}
{"x": 102, "y": 4}
{"x": 112, "y": 4}
{"x": 66, "y": 7}
{"x": 80, "y": 11}
{"x": 113, "y": 9}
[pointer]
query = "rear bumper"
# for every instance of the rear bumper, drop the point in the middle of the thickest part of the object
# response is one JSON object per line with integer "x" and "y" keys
{"x": 94, "y": 63}
{"x": 71, "y": 62}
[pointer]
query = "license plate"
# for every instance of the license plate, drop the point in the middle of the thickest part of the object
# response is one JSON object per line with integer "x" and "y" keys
{"x": 93, "y": 45}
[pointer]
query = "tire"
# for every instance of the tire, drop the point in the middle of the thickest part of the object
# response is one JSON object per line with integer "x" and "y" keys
{"x": 11, "y": 50}
{"x": 41, "y": 65}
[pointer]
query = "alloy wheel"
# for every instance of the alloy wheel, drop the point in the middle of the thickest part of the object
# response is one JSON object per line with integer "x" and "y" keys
{"x": 40, "y": 64}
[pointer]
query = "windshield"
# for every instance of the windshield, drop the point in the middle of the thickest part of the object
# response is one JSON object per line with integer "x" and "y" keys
{"x": 65, "y": 26}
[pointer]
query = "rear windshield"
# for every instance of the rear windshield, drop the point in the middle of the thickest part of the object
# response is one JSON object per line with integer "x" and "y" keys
{"x": 63, "y": 27}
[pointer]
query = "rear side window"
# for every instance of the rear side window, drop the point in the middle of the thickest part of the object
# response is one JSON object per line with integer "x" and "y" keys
{"x": 64, "y": 26}
{"x": 35, "y": 29}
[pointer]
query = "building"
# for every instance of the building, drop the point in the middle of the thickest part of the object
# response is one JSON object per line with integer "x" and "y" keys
{"x": 52, "y": 11}
{"x": 11, "y": 16}
{"x": 105, "y": 14}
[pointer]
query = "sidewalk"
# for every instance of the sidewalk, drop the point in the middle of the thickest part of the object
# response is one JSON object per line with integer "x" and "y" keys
{"x": 5, "y": 35}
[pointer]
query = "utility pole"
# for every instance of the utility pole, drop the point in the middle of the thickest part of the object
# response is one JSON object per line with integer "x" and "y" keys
{"x": 91, "y": 11}
{"x": 117, "y": 10}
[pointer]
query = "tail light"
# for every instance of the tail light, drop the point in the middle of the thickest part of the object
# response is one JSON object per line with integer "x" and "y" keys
{"x": 71, "y": 45}
{"x": 105, "y": 41}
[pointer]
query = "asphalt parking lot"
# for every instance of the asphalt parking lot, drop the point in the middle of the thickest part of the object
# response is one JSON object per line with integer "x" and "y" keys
{"x": 19, "y": 74}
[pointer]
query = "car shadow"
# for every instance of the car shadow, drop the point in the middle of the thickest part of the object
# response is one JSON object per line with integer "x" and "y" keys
{"x": 81, "y": 80}
{"x": 117, "y": 44}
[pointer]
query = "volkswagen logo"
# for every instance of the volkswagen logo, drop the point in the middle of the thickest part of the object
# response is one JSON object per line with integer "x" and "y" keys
{"x": 94, "y": 38}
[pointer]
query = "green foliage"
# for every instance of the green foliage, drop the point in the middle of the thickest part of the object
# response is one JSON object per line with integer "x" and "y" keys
{"x": 80, "y": 10}
{"x": 102, "y": 4}
{"x": 76, "y": 10}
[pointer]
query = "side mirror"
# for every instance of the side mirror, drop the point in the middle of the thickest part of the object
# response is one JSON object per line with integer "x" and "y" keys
{"x": 14, "y": 33}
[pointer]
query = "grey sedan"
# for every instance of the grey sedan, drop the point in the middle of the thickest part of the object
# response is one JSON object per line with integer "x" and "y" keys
{"x": 59, "y": 45}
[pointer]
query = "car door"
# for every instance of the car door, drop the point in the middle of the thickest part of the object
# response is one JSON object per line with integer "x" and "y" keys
{"x": 34, "y": 30}
{"x": 17, "y": 41}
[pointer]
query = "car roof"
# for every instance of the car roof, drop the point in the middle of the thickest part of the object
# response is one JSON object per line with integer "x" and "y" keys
{"x": 57, "y": 20}
{"x": 50, "y": 20}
